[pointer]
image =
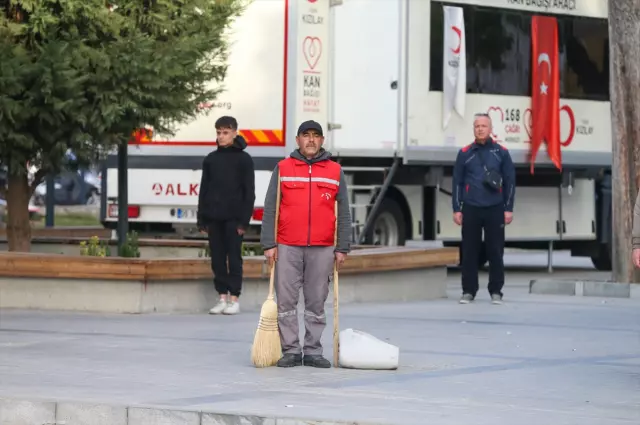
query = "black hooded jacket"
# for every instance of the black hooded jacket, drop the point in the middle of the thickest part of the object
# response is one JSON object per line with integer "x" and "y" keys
{"x": 227, "y": 187}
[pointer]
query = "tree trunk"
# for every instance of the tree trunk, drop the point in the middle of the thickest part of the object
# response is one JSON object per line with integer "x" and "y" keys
{"x": 624, "y": 65}
{"x": 18, "y": 224}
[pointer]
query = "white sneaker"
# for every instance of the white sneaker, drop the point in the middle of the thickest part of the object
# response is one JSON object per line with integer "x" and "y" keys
{"x": 232, "y": 308}
{"x": 219, "y": 308}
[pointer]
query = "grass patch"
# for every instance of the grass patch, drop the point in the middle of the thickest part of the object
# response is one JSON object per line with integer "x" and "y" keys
{"x": 70, "y": 220}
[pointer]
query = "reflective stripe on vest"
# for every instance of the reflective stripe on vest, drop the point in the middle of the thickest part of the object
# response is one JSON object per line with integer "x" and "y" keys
{"x": 313, "y": 179}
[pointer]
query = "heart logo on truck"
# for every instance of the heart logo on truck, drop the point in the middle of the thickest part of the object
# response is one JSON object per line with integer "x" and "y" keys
{"x": 527, "y": 117}
{"x": 497, "y": 115}
{"x": 312, "y": 49}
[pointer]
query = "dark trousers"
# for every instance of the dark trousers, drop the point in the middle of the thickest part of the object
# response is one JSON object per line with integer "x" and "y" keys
{"x": 474, "y": 221}
{"x": 225, "y": 245}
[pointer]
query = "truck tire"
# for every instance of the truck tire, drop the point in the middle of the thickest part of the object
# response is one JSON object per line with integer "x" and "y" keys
{"x": 602, "y": 261}
{"x": 389, "y": 228}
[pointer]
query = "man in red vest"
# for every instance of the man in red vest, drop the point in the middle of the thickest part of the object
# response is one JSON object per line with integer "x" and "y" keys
{"x": 305, "y": 249}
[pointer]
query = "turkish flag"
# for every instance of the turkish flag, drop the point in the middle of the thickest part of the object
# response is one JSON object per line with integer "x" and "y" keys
{"x": 545, "y": 88}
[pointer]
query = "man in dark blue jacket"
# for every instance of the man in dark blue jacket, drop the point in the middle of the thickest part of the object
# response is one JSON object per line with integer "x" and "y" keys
{"x": 484, "y": 184}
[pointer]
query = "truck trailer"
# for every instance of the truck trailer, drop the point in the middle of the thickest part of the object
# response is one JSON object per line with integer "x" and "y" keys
{"x": 372, "y": 73}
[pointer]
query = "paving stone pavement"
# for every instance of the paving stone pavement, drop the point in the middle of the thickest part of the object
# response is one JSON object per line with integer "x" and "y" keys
{"x": 537, "y": 359}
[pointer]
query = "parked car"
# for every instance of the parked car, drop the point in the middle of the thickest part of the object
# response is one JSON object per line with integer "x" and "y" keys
{"x": 71, "y": 189}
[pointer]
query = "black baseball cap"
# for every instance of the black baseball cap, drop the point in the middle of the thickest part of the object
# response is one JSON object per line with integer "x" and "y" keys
{"x": 310, "y": 125}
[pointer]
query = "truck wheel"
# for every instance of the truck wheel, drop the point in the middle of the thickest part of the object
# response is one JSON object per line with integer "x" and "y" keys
{"x": 388, "y": 228}
{"x": 602, "y": 261}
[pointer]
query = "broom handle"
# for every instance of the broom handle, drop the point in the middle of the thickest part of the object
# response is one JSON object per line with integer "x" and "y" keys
{"x": 272, "y": 278}
{"x": 336, "y": 325}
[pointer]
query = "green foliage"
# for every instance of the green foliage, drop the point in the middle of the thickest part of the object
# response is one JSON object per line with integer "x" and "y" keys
{"x": 247, "y": 251}
{"x": 252, "y": 250}
{"x": 204, "y": 252}
{"x": 78, "y": 75}
{"x": 95, "y": 248}
{"x": 130, "y": 248}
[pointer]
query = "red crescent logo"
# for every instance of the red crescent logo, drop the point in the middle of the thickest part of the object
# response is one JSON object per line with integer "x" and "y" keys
{"x": 458, "y": 31}
{"x": 572, "y": 125}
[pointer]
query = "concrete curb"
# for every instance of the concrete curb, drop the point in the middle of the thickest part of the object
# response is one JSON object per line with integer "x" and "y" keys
{"x": 26, "y": 412}
{"x": 586, "y": 288}
{"x": 197, "y": 296}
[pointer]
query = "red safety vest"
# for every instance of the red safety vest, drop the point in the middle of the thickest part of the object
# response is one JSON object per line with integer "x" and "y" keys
{"x": 307, "y": 202}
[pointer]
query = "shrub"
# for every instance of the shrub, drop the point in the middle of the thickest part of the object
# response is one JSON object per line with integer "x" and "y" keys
{"x": 247, "y": 251}
{"x": 130, "y": 248}
{"x": 94, "y": 248}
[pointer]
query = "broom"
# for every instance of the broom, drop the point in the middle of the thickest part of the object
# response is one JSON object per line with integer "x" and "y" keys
{"x": 266, "y": 349}
{"x": 336, "y": 324}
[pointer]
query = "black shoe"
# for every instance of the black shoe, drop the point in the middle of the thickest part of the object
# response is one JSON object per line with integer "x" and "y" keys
{"x": 316, "y": 361}
{"x": 290, "y": 360}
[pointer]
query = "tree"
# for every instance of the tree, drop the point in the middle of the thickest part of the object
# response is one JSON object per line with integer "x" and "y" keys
{"x": 78, "y": 75}
{"x": 624, "y": 33}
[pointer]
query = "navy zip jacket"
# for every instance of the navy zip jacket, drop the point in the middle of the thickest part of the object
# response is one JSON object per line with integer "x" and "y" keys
{"x": 468, "y": 173}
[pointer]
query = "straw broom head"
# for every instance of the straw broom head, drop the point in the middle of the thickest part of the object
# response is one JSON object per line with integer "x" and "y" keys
{"x": 266, "y": 350}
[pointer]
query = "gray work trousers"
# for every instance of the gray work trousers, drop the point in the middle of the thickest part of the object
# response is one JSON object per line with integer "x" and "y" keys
{"x": 306, "y": 268}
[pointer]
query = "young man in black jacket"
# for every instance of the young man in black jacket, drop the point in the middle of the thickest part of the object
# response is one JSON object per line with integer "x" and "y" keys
{"x": 225, "y": 207}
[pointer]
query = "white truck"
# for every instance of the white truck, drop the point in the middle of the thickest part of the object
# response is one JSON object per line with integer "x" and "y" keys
{"x": 372, "y": 73}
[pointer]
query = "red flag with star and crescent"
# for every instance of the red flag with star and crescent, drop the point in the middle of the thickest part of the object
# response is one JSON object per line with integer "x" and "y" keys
{"x": 545, "y": 87}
